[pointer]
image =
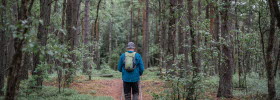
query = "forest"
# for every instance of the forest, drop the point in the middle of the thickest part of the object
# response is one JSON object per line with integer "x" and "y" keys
{"x": 191, "y": 49}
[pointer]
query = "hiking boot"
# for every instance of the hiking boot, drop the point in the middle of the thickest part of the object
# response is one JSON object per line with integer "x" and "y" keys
{"x": 135, "y": 96}
{"x": 127, "y": 96}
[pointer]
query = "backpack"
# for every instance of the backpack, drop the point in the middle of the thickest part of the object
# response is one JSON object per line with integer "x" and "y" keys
{"x": 129, "y": 61}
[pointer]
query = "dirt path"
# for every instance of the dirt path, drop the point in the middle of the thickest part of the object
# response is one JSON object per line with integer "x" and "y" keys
{"x": 113, "y": 88}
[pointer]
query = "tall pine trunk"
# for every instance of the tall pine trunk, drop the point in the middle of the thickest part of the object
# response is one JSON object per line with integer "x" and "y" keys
{"x": 86, "y": 38}
{"x": 95, "y": 37}
{"x": 146, "y": 35}
{"x": 171, "y": 34}
{"x": 181, "y": 37}
{"x": 43, "y": 30}
{"x": 72, "y": 13}
{"x": 195, "y": 64}
{"x": 3, "y": 42}
{"x": 269, "y": 54}
{"x": 15, "y": 67}
{"x": 226, "y": 70}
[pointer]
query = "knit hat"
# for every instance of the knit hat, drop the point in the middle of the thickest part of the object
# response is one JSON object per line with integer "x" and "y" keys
{"x": 130, "y": 45}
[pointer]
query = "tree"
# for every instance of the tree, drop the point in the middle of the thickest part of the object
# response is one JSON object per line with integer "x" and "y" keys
{"x": 43, "y": 30}
{"x": 15, "y": 67}
{"x": 131, "y": 21}
{"x": 146, "y": 35}
{"x": 225, "y": 71}
{"x": 195, "y": 64}
{"x": 86, "y": 34}
{"x": 171, "y": 34}
{"x": 269, "y": 53}
{"x": 72, "y": 13}
{"x": 3, "y": 42}
{"x": 274, "y": 5}
{"x": 95, "y": 37}
{"x": 181, "y": 37}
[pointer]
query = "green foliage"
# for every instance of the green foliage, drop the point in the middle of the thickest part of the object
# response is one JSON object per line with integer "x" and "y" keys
{"x": 256, "y": 87}
{"x": 150, "y": 74}
{"x": 51, "y": 93}
{"x": 114, "y": 57}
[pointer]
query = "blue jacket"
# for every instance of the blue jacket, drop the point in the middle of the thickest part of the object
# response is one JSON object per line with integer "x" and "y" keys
{"x": 133, "y": 76}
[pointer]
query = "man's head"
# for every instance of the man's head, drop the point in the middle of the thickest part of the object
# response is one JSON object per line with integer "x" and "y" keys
{"x": 130, "y": 46}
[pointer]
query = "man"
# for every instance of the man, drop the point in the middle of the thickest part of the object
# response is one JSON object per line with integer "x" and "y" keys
{"x": 132, "y": 67}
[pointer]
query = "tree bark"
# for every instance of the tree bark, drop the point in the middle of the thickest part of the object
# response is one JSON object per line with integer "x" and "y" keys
{"x": 15, "y": 67}
{"x": 225, "y": 72}
{"x": 269, "y": 55}
{"x": 146, "y": 35}
{"x": 196, "y": 66}
{"x": 171, "y": 35}
{"x": 274, "y": 5}
{"x": 3, "y": 43}
{"x": 72, "y": 13}
{"x": 43, "y": 30}
{"x": 86, "y": 35}
{"x": 181, "y": 37}
{"x": 131, "y": 22}
{"x": 95, "y": 38}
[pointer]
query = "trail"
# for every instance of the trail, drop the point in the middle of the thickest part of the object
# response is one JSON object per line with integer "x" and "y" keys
{"x": 113, "y": 88}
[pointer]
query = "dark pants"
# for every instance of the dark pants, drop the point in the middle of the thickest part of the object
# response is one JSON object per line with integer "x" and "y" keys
{"x": 127, "y": 87}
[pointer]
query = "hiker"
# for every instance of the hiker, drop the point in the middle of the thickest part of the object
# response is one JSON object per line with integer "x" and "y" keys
{"x": 132, "y": 67}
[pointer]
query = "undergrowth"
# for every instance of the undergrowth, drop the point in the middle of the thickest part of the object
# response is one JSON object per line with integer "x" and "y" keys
{"x": 51, "y": 93}
{"x": 255, "y": 89}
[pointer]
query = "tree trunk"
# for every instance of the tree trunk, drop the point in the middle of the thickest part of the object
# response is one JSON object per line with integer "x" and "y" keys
{"x": 72, "y": 13}
{"x": 274, "y": 5}
{"x": 181, "y": 37}
{"x": 27, "y": 58}
{"x": 3, "y": 42}
{"x": 86, "y": 35}
{"x": 146, "y": 35}
{"x": 171, "y": 34}
{"x": 198, "y": 38}
{"x": 196, "y": 67}
{"x": 269, "y": 55}
{"x": 216, "y": 38}
{"x": 43, "y": 30}
{"x": 15, "y": 67}
{"x": 95, "y": 38}
{"x": 225, "y": 72}
{"x": 131, "y": 22}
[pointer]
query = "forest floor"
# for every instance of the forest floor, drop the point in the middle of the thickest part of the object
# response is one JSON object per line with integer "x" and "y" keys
{"x": 112, "y": 87}
{"x": 153, "y": 86}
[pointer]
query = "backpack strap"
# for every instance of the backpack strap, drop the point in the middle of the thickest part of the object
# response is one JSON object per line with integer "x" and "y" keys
{"x": 134, "y": 58}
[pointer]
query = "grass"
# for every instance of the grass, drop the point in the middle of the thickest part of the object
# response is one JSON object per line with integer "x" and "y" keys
{"x": 150, "y": 74}
{"x": 51, "y": 93}
{"x": 256, "y": 87}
